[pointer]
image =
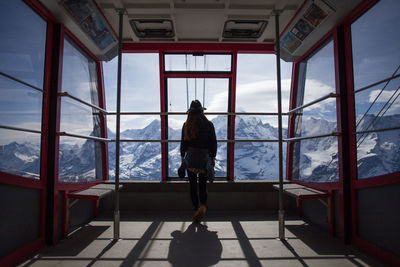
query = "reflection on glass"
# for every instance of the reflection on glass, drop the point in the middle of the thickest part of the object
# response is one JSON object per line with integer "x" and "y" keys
{"x": 258, "y": 161}
{"x": 79, "y": 75}
{"x": 256, "y": 89}
{"x": 20, "y": 105}
{"x": 20, "y": 153}
{"x": 78, "y": 118}
{"x": 138, "y": 161}
{"x": 23, "y": 42}
{"x": 378, "y": 153}
{"x": 375, "y": 104}
{"x": 316, "y": 160}
{"x": 319, "y": 75}
{"x": 212, "y": 93}
{"x": 80, "y": 161}
{"x": 376, "y": 28}
{"x": 188, "y": 62}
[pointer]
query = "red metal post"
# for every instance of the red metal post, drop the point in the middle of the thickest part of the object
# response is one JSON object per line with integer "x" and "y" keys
{"x": 231, "y": 149}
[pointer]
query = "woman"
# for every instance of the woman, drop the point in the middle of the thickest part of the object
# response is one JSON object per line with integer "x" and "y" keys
{"x": 198, "y": 149}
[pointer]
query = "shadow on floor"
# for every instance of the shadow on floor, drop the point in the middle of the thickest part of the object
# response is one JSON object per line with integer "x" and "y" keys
{"x": 195, "y": 247}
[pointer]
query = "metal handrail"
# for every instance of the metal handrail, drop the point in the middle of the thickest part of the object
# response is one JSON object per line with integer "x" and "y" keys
{"x": 20, "y": 81}
{"x": 84, "y": 137}
{"x": 20, "y": 129}
{"x": 205, "y": 113}
{"x": 313, "y": 102}
{"x": 375, "y": 84}
{"x": 295, "y": 139}
{"x": 82, "y": 101}
{"x": 378, "y": 130}
{"x": 178, "y": 141}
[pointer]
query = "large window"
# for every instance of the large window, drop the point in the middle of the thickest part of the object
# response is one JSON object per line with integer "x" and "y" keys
{"x": 376, "y": 67}
{"x": 213, "y": 94}
{"x": 80, "y": 159}
{"x": 140, "y": 93}
{"x": 315, "y": 153}
{"x": 256, "y": 91}
{"x": 22, "y": 56}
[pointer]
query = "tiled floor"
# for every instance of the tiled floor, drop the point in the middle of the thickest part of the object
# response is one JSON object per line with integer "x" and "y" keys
{"x": 221, "y": 240}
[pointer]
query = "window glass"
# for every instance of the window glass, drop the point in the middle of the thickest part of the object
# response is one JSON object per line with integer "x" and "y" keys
{"x": 378, "y": 107}
{"x": 376, "y": 104}
{"x": 138, "y": 161}
{"x": 79, "y": 75}
{"x": 188, "y": 62}
{"x": 375, "y": 57}
{"x": 78, "y": 118}
{"x": 213, "y": 94}
{"x": 316, "y": 160}
{"x": 22, "y": 56}
{"x": 378, "y": 153}
{"x": 140, "y": 92}
{"x": 20, "y": 105}
{"x": 140, "y": 83}
{"x": 258, "y": 161}
{"x": 317, "y": 119}
{"x": 256, "y": 85}
{"x": 20, "y": 153}
{"x": 80, "y": 160}
{"x": 140, "y": 89}
{"x": 256, "y": 91}
{"x": 23, "y": 42}
{"x": 320, "y": 74}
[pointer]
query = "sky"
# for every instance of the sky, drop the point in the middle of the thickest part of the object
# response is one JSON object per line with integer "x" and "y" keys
{"x": 256, "y": 88}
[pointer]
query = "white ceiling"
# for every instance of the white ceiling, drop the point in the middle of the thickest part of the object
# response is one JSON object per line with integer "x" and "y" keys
{"x": 203, "y": 20}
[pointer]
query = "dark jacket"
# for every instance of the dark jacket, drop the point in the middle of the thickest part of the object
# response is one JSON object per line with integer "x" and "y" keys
{"x": 205, "y": 139}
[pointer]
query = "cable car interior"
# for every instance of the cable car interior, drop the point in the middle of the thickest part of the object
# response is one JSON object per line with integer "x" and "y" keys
{"x": 304, "y": 98}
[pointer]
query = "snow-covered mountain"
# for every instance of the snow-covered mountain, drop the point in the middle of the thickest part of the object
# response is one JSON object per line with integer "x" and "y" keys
{"x": 378, "y": 153}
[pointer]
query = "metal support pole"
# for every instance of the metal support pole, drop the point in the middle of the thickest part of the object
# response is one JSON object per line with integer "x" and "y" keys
{"x": 278, "y": 79}
{"x": 117, "y": 137}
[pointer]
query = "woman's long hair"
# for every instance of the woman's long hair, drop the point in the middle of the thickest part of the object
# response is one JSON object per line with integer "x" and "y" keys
{"x": 193, "y": 121}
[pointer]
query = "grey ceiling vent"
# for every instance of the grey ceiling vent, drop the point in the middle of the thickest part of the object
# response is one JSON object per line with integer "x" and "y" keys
{"x": 244, "y": 28}
{"x": 152, "y": 28}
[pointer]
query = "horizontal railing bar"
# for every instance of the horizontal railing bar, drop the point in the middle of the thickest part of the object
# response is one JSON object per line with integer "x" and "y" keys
{"x": 295, "y": 139}
{"x": 20, "y": 81}
{"x": 205, "y": 113}
{"x": 378, "y": 130}
{"x": 375, "y": 84}
{"x": 20, "y": 129}
{"x": 313, "y": 102}
{"x": 178, "y": 141}
{"x": 82, "y": 101}
{"x": 84, "y": 137}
